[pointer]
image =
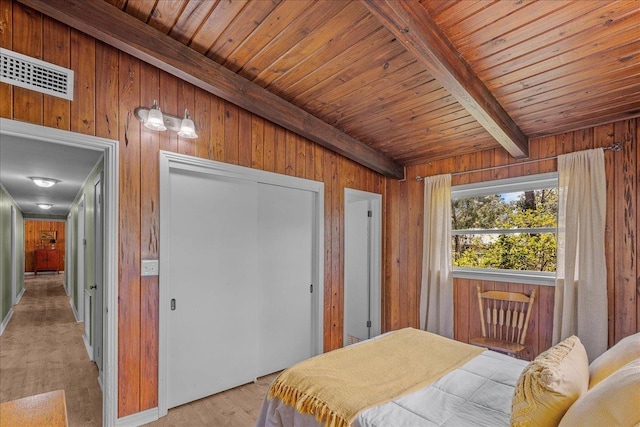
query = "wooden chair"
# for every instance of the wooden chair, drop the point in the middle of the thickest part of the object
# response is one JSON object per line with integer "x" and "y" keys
{"x": 504, "y": 317}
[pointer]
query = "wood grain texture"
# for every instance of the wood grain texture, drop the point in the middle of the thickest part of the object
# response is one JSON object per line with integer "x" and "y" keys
{"x": 118, "y": 80}
{"x": 42, "y": 409}
{"x": 6, "y": 42}
{"x": 32, "y": 241}
{"x": 415, "y": 28}
{"x": 126, "y": 33}
{"x": 548, "y": 67}
{"x": 27, "y": 104}
{"x": 118, "y": 84}
{"x": 129, "y": 318}
{"x": 621, "y": 241}
{"x": 56, "y": 51}
{"x": 149, "y": 246}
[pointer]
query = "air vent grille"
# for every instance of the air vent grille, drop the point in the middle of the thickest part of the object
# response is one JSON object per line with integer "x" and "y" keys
{"x": 30, "y": 73}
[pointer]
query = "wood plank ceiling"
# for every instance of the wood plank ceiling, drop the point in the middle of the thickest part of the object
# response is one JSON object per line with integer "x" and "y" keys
{"x": 551, "y": 66}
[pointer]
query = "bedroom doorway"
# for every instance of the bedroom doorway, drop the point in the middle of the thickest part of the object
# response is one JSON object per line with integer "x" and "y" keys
{"x": 62, "y": 140}
{"x": 362, "y": 258}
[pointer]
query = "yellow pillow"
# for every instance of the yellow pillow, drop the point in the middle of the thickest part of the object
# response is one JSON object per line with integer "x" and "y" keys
{"x": 615, "y": 401}
{"x": 550, "y": 384}
{"x": 613, "y": 359}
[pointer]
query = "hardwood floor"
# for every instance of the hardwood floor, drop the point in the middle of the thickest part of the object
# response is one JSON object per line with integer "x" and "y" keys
{"x": 42, "y": 350}
{"x": 238, "y": 407}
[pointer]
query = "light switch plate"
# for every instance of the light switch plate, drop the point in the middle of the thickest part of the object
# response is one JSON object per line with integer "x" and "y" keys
{"x": 149, "y": 267}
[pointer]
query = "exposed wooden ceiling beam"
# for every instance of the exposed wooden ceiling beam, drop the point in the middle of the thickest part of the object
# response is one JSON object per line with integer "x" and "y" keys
{"x": 412, "y": 25}
{"x": 110, "y": 25}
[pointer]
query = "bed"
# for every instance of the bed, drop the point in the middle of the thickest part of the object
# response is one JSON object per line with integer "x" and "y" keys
{"x": 471, "y": 386}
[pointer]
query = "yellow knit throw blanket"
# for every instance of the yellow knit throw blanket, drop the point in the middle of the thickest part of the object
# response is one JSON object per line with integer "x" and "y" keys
{"x": 335, "y": 386}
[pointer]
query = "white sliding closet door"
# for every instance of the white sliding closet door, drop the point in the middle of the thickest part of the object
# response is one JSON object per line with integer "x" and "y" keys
{"x": 285, "y": 237}
{"x": 213, "y": 279}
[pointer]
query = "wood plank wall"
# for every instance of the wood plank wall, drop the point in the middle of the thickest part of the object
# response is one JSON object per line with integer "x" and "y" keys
{"x": 404, "y": 233}
{"x": 109, "y": 85}
{"x": 32, "y": 229}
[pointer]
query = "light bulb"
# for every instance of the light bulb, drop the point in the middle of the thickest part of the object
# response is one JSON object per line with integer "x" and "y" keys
{"x": 43, "y": 182}
{"x": 155, "y": 121}
{"x": 187, "y": 127}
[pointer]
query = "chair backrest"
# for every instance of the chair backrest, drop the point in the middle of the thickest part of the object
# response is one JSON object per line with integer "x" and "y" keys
{"x": 505, "y": 315}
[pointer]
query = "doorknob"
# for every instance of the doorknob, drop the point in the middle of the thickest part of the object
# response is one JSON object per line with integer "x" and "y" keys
{"x": 93, "y": 287}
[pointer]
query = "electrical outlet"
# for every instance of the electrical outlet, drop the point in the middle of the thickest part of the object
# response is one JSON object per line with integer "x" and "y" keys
{"x": 149, "y": 267}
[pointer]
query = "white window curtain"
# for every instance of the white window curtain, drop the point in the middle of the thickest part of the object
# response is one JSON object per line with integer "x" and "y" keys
{"x": 436, "y": 292}
{"x": 581, "y": 274}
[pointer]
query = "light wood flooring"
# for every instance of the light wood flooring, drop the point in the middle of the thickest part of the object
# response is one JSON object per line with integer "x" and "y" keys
{"x": 42, "y": 350}
{"x": 238, "y": 407}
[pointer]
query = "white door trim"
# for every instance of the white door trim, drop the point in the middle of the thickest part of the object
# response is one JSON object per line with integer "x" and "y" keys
{"x": 110, "y": 193}
{"x": 14, "y": 256}
{"x": 81, "y": 240}
{"x": 169, "y": 161}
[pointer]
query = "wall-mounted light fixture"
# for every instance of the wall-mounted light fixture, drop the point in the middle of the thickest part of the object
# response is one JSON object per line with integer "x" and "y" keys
{"x": 44, "y": 182}
{"x": 44, "y": 206}
{"x": 153, "y": 118}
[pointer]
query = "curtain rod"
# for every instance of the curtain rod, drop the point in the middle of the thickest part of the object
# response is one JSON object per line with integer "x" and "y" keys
{"x": 614, "y": 147}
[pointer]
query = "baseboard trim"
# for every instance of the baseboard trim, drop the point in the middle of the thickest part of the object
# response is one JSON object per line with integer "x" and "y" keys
{"x": 5, "y": 321}
{"x": 19, "y": 297}
{"x": 75, "y": 313}
{"x": 87, "y": 346}
{"x": 141, "y": 418}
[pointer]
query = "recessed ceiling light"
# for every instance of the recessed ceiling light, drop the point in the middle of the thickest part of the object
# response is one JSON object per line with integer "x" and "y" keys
{"x": 43, "y": 182}
{"x": 44, "y": 206}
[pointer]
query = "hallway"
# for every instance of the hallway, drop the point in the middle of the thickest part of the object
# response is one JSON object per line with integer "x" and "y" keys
{"x": 42, "y": 350}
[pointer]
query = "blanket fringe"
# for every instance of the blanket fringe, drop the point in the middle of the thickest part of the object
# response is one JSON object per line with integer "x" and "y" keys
{"x": 307, "y": 404}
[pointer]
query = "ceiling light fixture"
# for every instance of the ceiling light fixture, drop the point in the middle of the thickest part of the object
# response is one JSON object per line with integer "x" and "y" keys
{"x": 153, "y": 118}
{"x": 43, "y": 182}
{"x": 44, "y": 206}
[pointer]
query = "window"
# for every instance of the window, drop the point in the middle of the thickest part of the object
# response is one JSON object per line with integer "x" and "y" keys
{"x": 506, "y": 230}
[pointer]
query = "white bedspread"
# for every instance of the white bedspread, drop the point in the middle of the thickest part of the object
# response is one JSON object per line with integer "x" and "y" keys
{"x": 478, "y": 393}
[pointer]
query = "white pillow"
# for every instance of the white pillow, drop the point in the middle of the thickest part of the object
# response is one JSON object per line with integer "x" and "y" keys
{"x": 615, "y": 401}
{"x": 613, "y": 359}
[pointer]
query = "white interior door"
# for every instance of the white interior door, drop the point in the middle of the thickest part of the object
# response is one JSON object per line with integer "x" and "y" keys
{"x": 356, "y": 272}
{"x": 285, "y": 238}
{"x": 362, "y": 266}
{"x": 213, "y": 276}
{"x": 80, "y": 264}
{"x": 96, "y": 338}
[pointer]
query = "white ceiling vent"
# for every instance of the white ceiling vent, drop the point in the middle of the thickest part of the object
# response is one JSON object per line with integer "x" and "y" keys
{"x": 30, "y": 73}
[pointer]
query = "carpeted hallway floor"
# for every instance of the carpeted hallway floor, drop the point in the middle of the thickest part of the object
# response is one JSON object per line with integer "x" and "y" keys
{"x": 42, "y": 350}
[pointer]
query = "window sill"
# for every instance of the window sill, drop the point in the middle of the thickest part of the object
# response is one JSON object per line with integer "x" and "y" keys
{"x": 511, "y": 276}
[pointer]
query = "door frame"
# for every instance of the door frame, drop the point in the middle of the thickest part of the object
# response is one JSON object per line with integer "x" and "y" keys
{"x": 109, "y": 148}
{"x": 81, "y": 240}
{"x": 97, "y": 312}
{"x": 14, "y": 256}
{"x": 375, "y": 254}
{"x": 69, "y": 266}
{"x": 169, "y": 161}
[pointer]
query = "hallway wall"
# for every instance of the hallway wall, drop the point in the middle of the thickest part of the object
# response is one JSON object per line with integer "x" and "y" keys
{"x": 5, "y": 252}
